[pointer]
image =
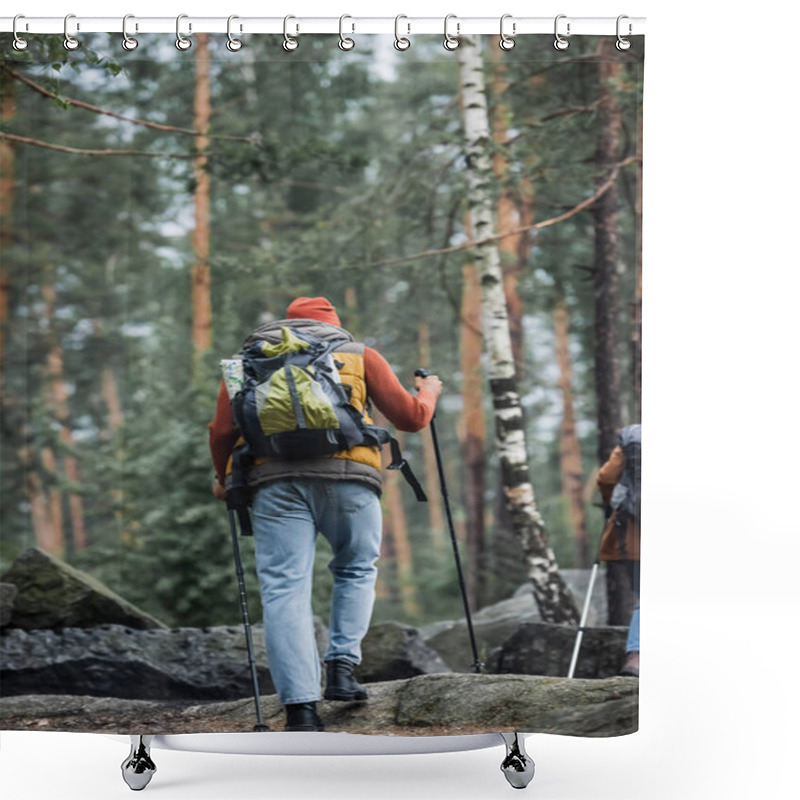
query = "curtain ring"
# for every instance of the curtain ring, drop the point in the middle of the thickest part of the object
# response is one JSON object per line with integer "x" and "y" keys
{"x": 560, "y": 42}
{"x": 345, "y": 42}
{"x": 181, "y": 42}
{"x": 70, "y": 42}
{"x": 128, "y": 43}
{"x": 289, "y": 44}
{"x": 622, "y": 43}
{"x": 507, "y": 42}
{"x": 451, "y": 42}
{"x": 234, "y": 45}
{"x": 401, "y": 43}
{"x": 19, "y": 43}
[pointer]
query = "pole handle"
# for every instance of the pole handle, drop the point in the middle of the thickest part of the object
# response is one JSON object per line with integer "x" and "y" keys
{"x": 423, "y": 373}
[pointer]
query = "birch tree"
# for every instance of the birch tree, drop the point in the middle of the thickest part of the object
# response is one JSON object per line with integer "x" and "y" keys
{"x": 554, "y": 600}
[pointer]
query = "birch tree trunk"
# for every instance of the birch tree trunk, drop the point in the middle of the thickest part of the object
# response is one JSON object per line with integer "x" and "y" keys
{"x": 508, "y": 217}
{"x": 201, "y": 273}
{"x": 606, "y": 279}
{"x": 554, "y": 600}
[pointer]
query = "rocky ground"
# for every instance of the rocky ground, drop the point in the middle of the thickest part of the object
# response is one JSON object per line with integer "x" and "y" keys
{"x": 445, "y": 704}
{"x": 76, "y": 657}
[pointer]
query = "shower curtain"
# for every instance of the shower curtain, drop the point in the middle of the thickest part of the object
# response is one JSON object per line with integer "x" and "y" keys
{"x": 471, "y": 210}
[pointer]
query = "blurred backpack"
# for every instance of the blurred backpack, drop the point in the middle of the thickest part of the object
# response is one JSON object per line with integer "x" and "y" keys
{"x": 626, "y": 499}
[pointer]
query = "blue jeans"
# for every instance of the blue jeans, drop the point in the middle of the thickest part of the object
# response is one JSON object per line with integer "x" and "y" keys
{"x": 286, "y": 518}
{"x": 633, "y": 632}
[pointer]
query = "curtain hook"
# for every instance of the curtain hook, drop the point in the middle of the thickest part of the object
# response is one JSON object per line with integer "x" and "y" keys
{"x": 19, "y": 43}
{"x": 345, "y": 42}
{"x": 560, "y": 42}
{"x": 401, "y": 43}
{"x": 234, "y": 45}
{"x": 507, "y": 42}
{"x": 128, "y": 43}
{"x": 290, "y": 44}
{"x": 70, "y": 42}
{"x": 451, "y": 42}
{"x": 622, "y": 43}
{"x": 181, "y": 42}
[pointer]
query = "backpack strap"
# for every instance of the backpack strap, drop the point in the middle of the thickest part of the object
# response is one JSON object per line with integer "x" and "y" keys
{"x": 382, "y": 436}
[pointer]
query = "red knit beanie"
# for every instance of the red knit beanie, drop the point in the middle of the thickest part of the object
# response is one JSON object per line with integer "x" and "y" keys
{"x": 318, "y": 308}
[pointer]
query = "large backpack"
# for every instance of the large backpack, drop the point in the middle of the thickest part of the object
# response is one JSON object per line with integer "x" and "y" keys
{"x": 289, "y": 402}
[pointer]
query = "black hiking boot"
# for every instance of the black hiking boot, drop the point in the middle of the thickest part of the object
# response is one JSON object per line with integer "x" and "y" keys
{"x": 303, "y": 717}
{"x": 341, "y": 685}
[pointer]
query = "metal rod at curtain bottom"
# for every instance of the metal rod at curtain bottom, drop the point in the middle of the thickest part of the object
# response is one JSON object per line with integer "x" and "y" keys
{"x": 510, "y": 26}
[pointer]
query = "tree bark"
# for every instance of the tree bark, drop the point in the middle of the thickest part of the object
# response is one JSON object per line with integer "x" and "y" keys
{"x": 570, "y": 450}
{"x": 508, "y": 217}
{"x": 398, "y": 524}
{"x": 201, "y": 273}
{"x": 57, "y": 401}
{"x": 554, "y": 600}
{"x": 432, "y": 489}
{"x": 637, "y": 299}
{"x": 8, "y": 110}
{"x": 472, "y": 435}
{"x": 606, "y": 279}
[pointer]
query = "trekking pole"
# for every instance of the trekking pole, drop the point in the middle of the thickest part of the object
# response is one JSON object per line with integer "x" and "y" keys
{"x": 584, "y": 615}
{"x": 587, "y": 601}
{"x": 477, "y": 664}
{"x": 236, "y": 504}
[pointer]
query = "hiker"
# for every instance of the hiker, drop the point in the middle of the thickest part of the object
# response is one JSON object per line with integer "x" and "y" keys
{"x": 337, "y": 495}
{"x": 619, "y": 481}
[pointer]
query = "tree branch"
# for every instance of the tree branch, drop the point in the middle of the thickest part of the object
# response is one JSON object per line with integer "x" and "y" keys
{"x": 97, "y": 110}
{"x": 82, "y": 152}
{"x": 582, "y": 206}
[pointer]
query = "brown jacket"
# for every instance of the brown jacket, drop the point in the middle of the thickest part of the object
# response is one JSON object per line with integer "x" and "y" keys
{"x": 610, "y": 549}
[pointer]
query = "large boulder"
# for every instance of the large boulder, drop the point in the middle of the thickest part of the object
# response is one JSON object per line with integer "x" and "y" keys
{"x": 52, "y": 594}
{"x": 494, "y": 624}
{"x": 8, "y": 594}
{"x": 482, "y": 703}
{"x": 539, "y": 648}
{"x": 116, "y": 661}
{"x": 391, "y": 651}
{"x": 156, "y": 664}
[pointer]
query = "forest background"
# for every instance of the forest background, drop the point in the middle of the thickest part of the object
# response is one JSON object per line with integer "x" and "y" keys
{"x": 135, "y": 256}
